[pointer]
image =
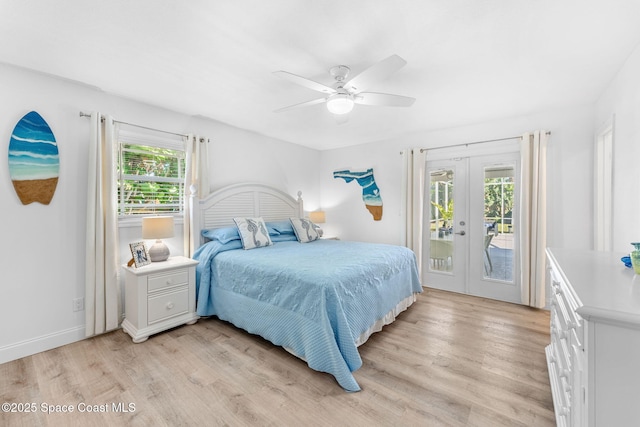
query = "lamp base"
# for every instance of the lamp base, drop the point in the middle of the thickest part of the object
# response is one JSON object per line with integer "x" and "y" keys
{"x": 158, "y": 252}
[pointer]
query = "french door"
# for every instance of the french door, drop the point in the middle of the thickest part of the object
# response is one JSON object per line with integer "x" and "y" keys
{"x": 470, "y": 236}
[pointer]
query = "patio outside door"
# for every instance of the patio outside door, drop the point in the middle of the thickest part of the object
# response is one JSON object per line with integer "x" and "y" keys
{"x": 471, "y": 242}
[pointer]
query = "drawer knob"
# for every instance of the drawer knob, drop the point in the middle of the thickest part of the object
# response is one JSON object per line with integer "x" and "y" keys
{"x": 169, "y": 281}
{"x": 169, "y": 305}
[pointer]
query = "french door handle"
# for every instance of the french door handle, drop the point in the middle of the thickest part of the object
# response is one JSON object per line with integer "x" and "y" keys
{"x": 462, "y": 233}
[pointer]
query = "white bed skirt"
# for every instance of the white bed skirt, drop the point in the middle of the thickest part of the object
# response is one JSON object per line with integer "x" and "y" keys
{"x": 387, "y": 319}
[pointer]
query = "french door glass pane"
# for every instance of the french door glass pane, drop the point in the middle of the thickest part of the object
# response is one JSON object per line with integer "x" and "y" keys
{"x": 498, "y": 223}
{"x": 441, "y": 220}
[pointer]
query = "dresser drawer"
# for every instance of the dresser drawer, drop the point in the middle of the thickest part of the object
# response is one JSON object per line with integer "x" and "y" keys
{"x": 165, "y": 280}
{"x": 565, "y": 307}
{"x": 166, "y": 305}
{"x": 561, "y": 399}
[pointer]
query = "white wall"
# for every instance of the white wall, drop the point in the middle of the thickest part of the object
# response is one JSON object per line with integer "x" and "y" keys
{"x": 622, "y": 100}
{"x": 42, "y": 262}
{"x": 570, "y": 176}
{"x": 43, "y": 257}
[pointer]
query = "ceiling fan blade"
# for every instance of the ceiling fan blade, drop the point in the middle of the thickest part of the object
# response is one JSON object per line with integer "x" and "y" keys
{"x": 302, "y": 104}
{"x": 375, "y": 73}
{"x": 383, "y": 99}
{"x": 302, "y": 81}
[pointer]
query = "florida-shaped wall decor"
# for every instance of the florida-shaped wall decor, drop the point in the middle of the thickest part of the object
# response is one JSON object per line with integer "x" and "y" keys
{"x": 34, "y": 161}
{"x": 370, "y": 191}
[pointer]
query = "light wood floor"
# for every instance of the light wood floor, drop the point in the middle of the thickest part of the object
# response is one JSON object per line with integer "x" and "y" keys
{"x": 449, "y": 360}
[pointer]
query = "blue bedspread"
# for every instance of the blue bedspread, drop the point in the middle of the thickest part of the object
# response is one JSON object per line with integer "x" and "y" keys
{"x": 315, "y": 298}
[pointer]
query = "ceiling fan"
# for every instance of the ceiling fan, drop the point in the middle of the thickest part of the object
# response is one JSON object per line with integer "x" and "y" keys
{"x": 344, "y": 94}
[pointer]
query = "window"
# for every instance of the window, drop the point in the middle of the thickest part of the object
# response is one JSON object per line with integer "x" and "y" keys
{"x": 604, "y": 188}
{"x": 150, "y": 174}
{"x": 499, "y": 198}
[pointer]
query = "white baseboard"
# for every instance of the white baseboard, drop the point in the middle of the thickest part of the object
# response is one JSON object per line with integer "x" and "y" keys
{"x": 41, "y": 343}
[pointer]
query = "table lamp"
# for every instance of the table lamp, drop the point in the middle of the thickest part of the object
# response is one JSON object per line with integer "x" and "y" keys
{"x": 157, "y": 227}
{"x": 318, "y": 217}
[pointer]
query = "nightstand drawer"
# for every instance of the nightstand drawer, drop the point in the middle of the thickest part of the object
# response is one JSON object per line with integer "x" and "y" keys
{"x": 165, "y": 280}
{"x": 159, "y": 296}
{"x": 166, "y": 305}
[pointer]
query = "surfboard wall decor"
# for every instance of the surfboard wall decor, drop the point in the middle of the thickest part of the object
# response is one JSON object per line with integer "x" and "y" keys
{"x": 34, "y": 161}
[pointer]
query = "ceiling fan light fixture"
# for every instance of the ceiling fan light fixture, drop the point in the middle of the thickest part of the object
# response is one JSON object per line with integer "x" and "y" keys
{"x": 340, "y": 103}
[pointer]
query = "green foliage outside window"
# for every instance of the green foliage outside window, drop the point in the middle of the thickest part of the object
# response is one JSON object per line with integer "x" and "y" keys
{"x": 150, "y": 180}
{"x": 441, "y": 195}
{"x": 498, "y": 199}
{"x": 445, "y": 212}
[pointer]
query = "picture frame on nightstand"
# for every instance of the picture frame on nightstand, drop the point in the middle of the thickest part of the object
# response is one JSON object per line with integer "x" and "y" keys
{"x": 140, "y": 254}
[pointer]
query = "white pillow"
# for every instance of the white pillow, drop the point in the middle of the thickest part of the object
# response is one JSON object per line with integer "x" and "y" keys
{"x": 253, "y": 232}
{"x": 306, "y": 231}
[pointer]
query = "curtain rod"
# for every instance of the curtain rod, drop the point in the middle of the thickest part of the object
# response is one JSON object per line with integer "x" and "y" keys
{"x": 83, "y": 114}
{"x": 475, "y": 142}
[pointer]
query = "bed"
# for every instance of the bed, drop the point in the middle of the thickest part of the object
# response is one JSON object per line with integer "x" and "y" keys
{"x": 319, "y": 300}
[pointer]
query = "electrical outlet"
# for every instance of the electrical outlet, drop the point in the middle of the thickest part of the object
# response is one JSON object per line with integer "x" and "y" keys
{"x": 78, "y": 304}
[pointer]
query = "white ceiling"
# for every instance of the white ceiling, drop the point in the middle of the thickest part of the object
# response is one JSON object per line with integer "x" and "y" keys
{"x": 468, "y": 61}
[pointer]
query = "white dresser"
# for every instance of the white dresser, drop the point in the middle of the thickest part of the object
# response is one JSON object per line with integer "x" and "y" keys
{"x": 594, "y": 355}
{"x": 159, "y": 296}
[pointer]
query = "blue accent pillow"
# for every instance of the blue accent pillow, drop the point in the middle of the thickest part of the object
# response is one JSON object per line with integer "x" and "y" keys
{"x": 222, "y": 235}
{"x": 284, "y": 238}
{"x": 281, "y": 227}
{"x": 228, "y": 234}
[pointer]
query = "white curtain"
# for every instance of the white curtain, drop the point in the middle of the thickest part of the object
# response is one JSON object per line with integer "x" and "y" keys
{"x": 102, "y": 293}
{"x": 533, "y": 217}
{"x": 196, "y": 184}
{"x": 413, "y": 198}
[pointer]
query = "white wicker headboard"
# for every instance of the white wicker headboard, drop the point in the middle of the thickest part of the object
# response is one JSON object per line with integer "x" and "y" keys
{"x": 242, "y": 200}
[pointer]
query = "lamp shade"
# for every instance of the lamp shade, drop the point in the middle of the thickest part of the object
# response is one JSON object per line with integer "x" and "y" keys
{"x": 157, "y": 227}
{"x": 340, "y": 103}
{"x": 317, "y": 217}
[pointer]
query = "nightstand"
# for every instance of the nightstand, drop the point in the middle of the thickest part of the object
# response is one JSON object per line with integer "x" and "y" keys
{"x": 159, "y": 296}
